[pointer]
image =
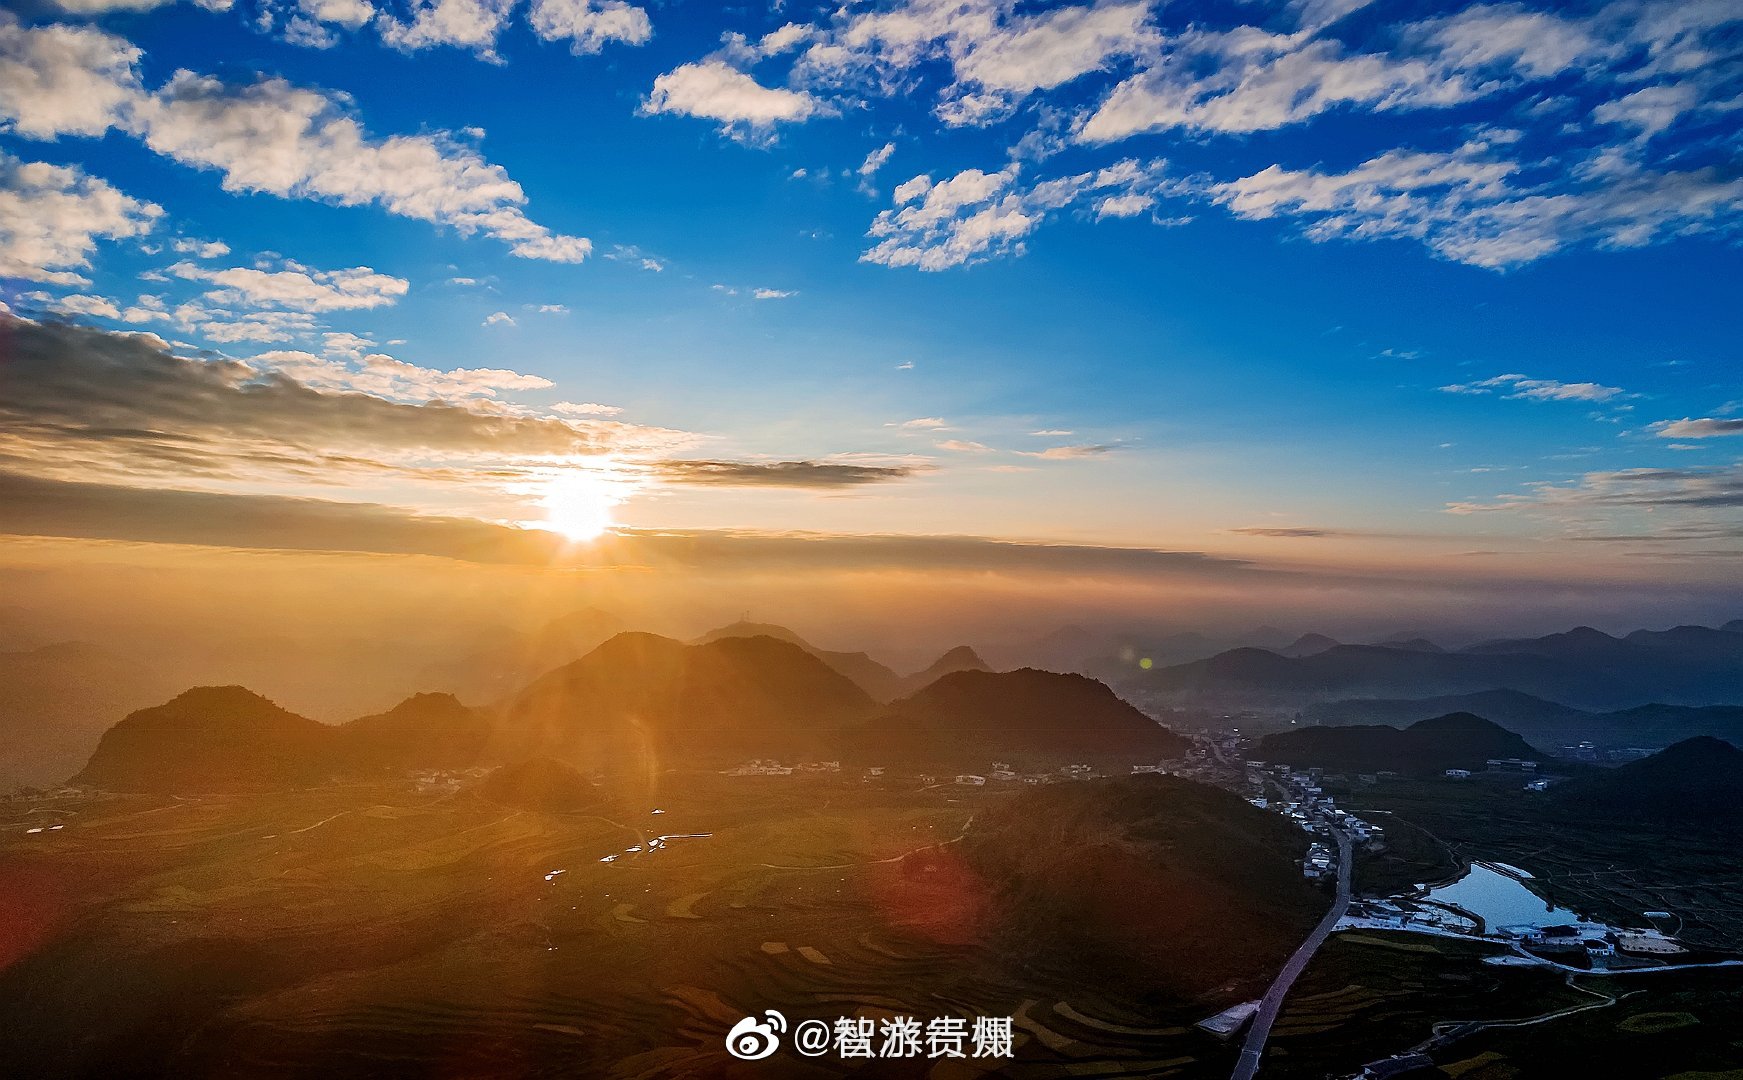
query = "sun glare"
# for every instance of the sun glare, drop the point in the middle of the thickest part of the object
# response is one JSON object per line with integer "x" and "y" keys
{"x": 578, "y": 504}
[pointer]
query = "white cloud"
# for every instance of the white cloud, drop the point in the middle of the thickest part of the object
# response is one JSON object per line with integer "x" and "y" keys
{"x": 63, "y": 80}
{"x": 976, "y": 215}
{"x": 552, "y": 309}
{"x": 585, "y": 408}
{"x": 350, "y": 14}
{"x": 466, "y": 24}
{"x": 1248, "y": 80}
{"x": 629, "y": 253}
{"x": 1123, "y": 206}
{"x": 103, "y": 7}
{"x": 274, "y": 137}
{"x": 200, "y": 249}
{"x": 1529, "y": 389}
{"x": 1651, "y": 109}
{"x": 589, "y": 25}
{"x": 499, "y": 318}
{"x": 1071, "y": 453}
{"x": 923, "y": 423}
{"x": 52, "y": 216}
{"x": 346, "y": 344}
{"x": 875, "y": 160}
{"x": 1512, "y": 39}
{"x": 297, "y": 288}
{"x": 1705, "y": 428}
{"x": 715, "y": 90}
{"x": 964, "y": 446}
{"x": 387, "y": 377}
{"x": 85, "y": 304}
{"x": 773, "y": 294}
{"x": 1471, "y": 205}
{"x": 268, "y": 136}
{"x": 997, "y": 57}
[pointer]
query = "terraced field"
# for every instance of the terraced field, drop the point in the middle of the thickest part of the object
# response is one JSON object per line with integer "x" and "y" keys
{"x": 384, "y": 931}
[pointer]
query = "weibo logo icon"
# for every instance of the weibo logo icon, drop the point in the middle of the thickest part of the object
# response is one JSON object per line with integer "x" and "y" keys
{"x": 753, "y": 1039}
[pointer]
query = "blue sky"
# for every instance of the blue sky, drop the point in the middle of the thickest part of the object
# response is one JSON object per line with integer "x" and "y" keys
{"x": 1322, "y": 283}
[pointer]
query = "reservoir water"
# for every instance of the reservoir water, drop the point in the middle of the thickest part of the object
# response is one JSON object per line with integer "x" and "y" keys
{"x": 1500, "y": 900}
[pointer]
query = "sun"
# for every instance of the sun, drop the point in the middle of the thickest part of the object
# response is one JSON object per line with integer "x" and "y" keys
{"x": 578, "y": 504}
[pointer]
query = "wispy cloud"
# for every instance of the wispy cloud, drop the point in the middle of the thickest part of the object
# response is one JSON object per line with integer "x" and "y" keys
{"x": 1522, "y": 387}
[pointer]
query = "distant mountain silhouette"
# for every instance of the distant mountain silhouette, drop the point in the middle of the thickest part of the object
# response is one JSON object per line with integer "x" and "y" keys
{"x": 1697, "y": 783}
{"x": 973, "y": 717}
{"x": 1735, "y": 626}
{"x": 1415, "y": 644}
{"x": 506, "y": 661}
{"x": 1454, "y": 741}
{"x": 537, "y": 784}
{"x": 57, "y": 700}
{"x": 1583, "y": 667}
{"x": 1068, "y": 648}
{"x": 961, "y": 658}
{"x": 640, "y": 700}
{"x": 878, "y": 681}
{"x": 1148, "y": 881}
{"x": 1263, "y": 637}
{"x": 211, "y": 739}
{"x": 428, "y": 731}
{"x": 1545, "y": 723}
{"x": 1307, "y": 645}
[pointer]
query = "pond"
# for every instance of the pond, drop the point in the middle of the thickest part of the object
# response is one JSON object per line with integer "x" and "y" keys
{"x": 1500, "y": 900}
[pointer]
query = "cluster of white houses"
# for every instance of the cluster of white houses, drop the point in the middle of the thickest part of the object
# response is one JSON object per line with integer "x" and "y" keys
{"x": 1314, "y": 811}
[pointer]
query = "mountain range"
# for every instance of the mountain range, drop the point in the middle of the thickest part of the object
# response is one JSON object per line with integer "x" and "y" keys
{"x": 636, "y": 704}
{"x": 1586, "y": 668}
{"x": 1454, "y": 741}
{"x": 1545, "y": 723}
{"x": 878, "y": 681}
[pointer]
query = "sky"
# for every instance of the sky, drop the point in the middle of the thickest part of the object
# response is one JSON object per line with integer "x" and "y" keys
{"x": 1444, "y": 295}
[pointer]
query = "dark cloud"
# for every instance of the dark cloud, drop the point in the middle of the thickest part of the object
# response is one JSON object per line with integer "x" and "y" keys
{"x": 77, "y": 396}
{"x": 32, "y": 506}
{"x": 793, "y": 474}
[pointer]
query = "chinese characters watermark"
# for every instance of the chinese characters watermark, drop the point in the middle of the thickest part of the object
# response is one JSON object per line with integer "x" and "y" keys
{"x": 757, "y": 1037}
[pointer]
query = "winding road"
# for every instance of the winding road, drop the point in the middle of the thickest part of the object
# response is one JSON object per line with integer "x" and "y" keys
{"x": 1272, "y": 1003}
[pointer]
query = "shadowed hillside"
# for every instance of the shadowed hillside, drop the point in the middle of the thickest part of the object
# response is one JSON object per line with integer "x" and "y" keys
{"x": 975, "y": 716}
{"x": 1142, "y": 880}
{"x": 539, "y": 784}
{"x": 427, "y": 731}
{"x": 878, "y": 681}
{"x": 1454, "y": 741}
{"x": 641, "y": 699}
{"x": 1696, "y": 783}
{"x": 211, "y": 739}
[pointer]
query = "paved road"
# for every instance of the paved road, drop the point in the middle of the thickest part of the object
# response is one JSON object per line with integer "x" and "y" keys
{"x": 1254, "y": 1048}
